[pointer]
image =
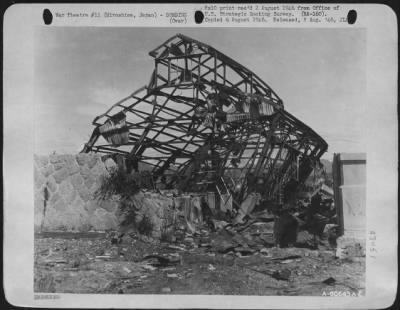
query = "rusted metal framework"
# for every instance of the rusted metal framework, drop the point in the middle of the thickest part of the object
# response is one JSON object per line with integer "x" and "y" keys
{"x": 206, "y": 123}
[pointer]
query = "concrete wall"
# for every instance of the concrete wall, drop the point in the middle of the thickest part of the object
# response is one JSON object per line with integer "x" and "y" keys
{"x": 64, "y": 188}
{"x": 349, "y": 173}
{"x": 350, "y": 193}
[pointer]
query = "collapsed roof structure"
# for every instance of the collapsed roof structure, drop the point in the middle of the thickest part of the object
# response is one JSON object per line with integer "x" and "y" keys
{"x": 204, "y": 122}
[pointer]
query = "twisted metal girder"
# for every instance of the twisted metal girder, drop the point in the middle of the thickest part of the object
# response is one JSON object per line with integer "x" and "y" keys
{"x": 206, "y": 123}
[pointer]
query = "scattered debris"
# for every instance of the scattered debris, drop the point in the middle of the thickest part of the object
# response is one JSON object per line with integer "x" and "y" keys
{"x": 223, "y": 242}
{"x": 285, "y": 258}
{"x": 218, "y": 225}
{"x": 56, "y": 261}
{"x": 149, "y": 267}
{"x": 116, "y": 240}
{"x": 162, "y": 261}
{"x": 46, "y": 252}
{"x": 281, "y": 274}
{"x": 166, "y": 290}
{"x": 264, "y": 251}
{"x": 75, "y": 263}
{"x": 136, "y": 273}
{"x": 329, "y": 281}
{"x": 244, "y": 251}
{"x": 70, "y": 269}
{"x": 287, "y": 261}
{"x": 348, "y": 248}
{"x": 175, "y": 247}
{"x": 103, "y": 256}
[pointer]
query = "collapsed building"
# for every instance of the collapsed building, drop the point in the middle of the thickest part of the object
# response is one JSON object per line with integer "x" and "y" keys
{"x": 205, "y": 123}
{"x": 204, "y": 126}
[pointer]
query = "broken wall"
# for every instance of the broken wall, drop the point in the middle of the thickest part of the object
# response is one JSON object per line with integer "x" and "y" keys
{"x": 64, "y": 197}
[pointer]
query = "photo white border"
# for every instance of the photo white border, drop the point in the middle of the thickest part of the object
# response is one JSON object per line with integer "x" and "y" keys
{"x": 381, "y": 145}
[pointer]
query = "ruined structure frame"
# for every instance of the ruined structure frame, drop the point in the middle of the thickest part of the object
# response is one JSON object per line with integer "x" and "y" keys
{"x": 267, "y": 143}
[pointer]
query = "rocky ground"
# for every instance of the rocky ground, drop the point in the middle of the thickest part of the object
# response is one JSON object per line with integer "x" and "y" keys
{"x": 223, "y": 262}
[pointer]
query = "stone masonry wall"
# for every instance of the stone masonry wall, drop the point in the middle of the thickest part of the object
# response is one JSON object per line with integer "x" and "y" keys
{"x": 64, "y": 197}
{"x": 64, "y": 188}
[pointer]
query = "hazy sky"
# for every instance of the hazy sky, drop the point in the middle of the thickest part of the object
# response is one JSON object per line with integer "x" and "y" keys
{"x": 80, "y": 72}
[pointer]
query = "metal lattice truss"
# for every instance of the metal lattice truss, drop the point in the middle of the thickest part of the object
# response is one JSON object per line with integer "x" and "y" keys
{"x": 206, "y": 123}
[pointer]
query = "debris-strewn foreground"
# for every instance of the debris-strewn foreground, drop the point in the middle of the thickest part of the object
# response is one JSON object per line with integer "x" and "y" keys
{"x": 209, "y": 262}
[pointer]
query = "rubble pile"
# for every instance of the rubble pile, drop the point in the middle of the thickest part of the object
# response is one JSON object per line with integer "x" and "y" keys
{"x": 209, "y": 255}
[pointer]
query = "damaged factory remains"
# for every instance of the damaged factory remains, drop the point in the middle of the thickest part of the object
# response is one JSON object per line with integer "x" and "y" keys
{"x": 224, "y": 185}
{"x": 206, "y": 124}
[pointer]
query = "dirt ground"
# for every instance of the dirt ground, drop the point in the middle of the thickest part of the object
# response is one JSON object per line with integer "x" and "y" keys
{"x": 136, "y": 264}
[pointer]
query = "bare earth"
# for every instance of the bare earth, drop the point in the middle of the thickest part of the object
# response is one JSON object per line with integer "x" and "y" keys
{"x": 76, "y": 263}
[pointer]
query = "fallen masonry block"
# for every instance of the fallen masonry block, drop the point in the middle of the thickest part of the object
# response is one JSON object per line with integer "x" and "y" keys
{"x": 282, "y": 274}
